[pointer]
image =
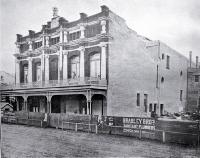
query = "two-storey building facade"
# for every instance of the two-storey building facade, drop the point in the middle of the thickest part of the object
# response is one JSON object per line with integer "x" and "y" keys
{"x": 96, "y": 65}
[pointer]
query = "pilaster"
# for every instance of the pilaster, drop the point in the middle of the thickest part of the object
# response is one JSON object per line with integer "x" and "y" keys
{"x": 103, "y": 26}
{"x": 30, "y": 69}
{"x": 46, "y": 67}
{"x": 82, "y": 28}
{"x": 103, "y": 60}
{"x": 82, "y": 62}
{"x": 65, "y": 36}
{"x": 30, "y": 46}
{"x": 17, "y": 71}
{"x": 65, "y": 64}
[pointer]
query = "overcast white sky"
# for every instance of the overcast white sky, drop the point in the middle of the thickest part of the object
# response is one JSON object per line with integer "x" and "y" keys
{"x": 175, "y": 22}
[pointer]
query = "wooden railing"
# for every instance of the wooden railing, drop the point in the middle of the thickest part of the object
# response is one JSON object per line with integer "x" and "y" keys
{"x": 58, "y": 83}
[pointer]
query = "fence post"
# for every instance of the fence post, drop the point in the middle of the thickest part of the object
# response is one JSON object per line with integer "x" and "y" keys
{"x": 89, "y": 128}
{"x": 62, "y": 125}
{"x": 140, "y": 132}
{"x": 163, "y": 136}
{"x": 58, "y": 123}
{"x": 76, "y": 127}
{"x": 96, "y": 129}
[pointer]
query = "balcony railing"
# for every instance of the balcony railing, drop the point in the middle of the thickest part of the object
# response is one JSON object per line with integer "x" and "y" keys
{"x": 58, "y": 83}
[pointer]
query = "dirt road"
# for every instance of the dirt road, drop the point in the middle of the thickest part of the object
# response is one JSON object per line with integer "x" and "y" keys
{"x": 23, "y": 141}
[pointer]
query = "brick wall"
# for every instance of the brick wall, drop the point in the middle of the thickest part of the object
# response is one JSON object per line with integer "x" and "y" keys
{"x": 131, "y": 71}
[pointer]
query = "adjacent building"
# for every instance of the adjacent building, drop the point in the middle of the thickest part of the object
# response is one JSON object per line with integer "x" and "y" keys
{"x": 97, "y": 65}
{"x": 193, "y": 89}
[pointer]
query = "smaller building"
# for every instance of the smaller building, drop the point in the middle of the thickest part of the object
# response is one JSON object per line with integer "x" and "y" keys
{"x": 193, "y": 92}
{"x": 6, "y": 107}
{"x": 6, "y": 78}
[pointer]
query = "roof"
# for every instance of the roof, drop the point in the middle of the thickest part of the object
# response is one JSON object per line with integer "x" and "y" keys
{"x": 3, "y": 104}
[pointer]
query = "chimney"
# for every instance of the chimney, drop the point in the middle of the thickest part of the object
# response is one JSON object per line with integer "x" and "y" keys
{"x": 49, "y": 24}
{"x": 44, "y": 27}
{"x": 104, "y": 8}
{"x": 31, "y": 33}
{"x": 55, "y": 12}
{"x": 190, "y": 59}
{"x": 83, "y": 15}
{"x": 197, "y": 62}
{"x": 19, "y": 37}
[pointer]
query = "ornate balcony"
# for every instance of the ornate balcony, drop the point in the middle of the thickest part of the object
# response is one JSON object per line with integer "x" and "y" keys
{"x": 87, "y": 81}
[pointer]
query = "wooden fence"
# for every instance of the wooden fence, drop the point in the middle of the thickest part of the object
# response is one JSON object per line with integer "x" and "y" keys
{"x": 165, "y": 130}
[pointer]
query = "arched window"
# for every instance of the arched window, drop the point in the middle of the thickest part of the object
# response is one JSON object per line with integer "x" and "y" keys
{"x": 181, "y": 73}
{"x": 75, "y": 67}
{"x": 25, "y": 73}
{"x": 38, "y": 72}
{"x": 95, "y": 65}
{"x": 162, "y": 80}
{"x": 53, "y": 69}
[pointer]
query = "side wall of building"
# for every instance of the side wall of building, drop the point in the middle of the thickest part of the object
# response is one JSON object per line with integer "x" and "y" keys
{"x": 175, "y": 79}
{"x": 131, "y": 70}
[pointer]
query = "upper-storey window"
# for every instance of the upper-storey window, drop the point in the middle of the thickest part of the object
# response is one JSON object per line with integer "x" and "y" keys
{"x": 25, "y": 73}
{"x": 168, "y": 62}
{"x": 95, "y": 65}
{"x": 54, "y": 40}
{"x": 138, "y": 99}
{"x": 23, "y": 47}
{"x": 74, "y": 35}
{"x": 196, "y": 78}
{"x": 37, "y": 45}
{"x": 75, "y": 67}
{"x": 93, "y": 30}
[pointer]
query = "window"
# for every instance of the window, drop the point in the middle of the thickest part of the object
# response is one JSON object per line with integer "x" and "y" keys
{"x": 145, "y": 102}
{"x": 25, "y": 74}
{"x": 150, "y": 107}
{"x": 162, "y": 80}
{"x": 95, "y": 65}
{"x": 2, "y": 78}
{"x": 54, "y": 40}
{"x": 196, "y": 78}
{"x": 138, "y": 99}
{"x": 75, "y": 67}
{"x": 181, "y": 95}
{"x": 93, "y": 30}
{"x": 163, "y": 56}
{"x": 38, "y": 72}
{"x": 74, "y": 35}
{"x": 161, "y": 109}
{"x": 37, "y": 44}
{"x": 157, "y": 76}
{"x": 53, "y": 69}
{"x": 168, "y": 62}
{"x": 155, "y": 106}
{"x": 181, "y": 73}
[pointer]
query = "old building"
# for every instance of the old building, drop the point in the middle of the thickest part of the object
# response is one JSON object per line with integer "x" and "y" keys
{"x": 193, "y": 89}
{"x": 6, "y": 78}
{"x": 97, "y": 65}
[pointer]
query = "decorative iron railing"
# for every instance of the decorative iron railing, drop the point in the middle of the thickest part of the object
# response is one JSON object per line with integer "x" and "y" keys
{"x": 58, "y": 83}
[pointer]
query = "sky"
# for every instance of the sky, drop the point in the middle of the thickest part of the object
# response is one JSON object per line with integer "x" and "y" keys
{"x": 174, "y": 22}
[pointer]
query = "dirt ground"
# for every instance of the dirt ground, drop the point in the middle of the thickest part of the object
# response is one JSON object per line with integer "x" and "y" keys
{"x": 23, "y": 141}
